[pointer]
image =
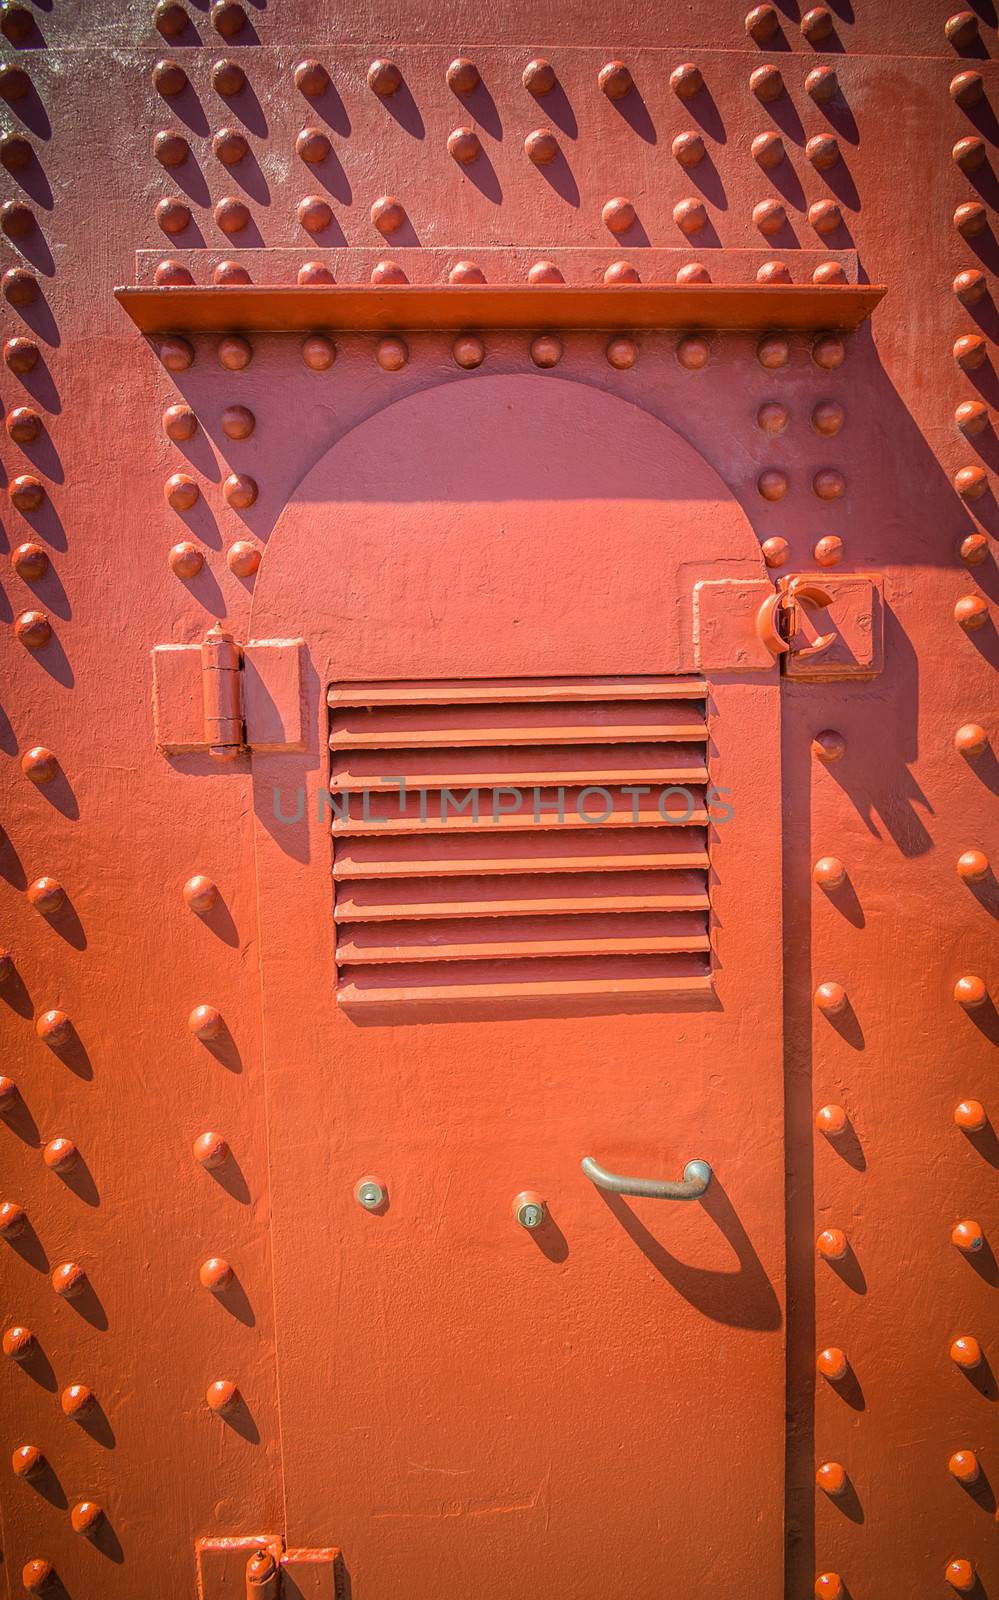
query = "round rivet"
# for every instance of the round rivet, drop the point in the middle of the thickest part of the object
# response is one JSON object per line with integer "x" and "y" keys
{"x": 830, "y": 998}
{"x": 544, "y": 272}
{"x": 234, "y": 352}
{"x": 463, "y": 145}
{"x": 13, "y": 1219}
{"x": 974, "y": 549}
{"x": 773, "y": 272}
{"x": 828, "y": 418}
{"x": 970, "y": 286}
{"x": 462, "y": 76}
{"x": 181, "y": 491}
{"x": 971, "y": 483}
{"x": 311, "y": 79}
{"x": 9, "y": 1094}
{"x": 970, "y": 351}
{"x": 541, "y": 146}
{"x": 60, "y": 1155}
{"x": 387, "y": 272}
{"x": 69, "y": 1280}
{"x": 971, "y": 740}
{"x": 170, "y": 18}
{"x": 831, "y": 1478}
{"x": 15, "y": 152}
{"x": 466, "y": 272}
{"x": 16, "y": 22}
{"x": 54, "y": 1028}
{"x": 228, "y": 79}
{"x": 230, "y": 147}
{"x": 200, "y": 894}
{"x": 40, "y": 765}
{"x": 775, "y": 551}
{"x": 19, "y": 1343}
{"x": 16, "y": 220}
{"x": 232, "y": 215}
{"x": 967, "y": 1236}
{"x": 972, "y": 417}
{"x": 692, "y": 272}
{"x": 173, "y": 215}
{"x": 971, "y": 1116}
{"x": 688, "y": 148}
{"x": 622, "y": 353}
{"x": 768, "y": 150}
{"x": 973, "y": 866}
{"x": 239, "y": 491}
{"x": 829, "y": 1586}
{"x": 832, "y": 1364}
{"x": 243, "y": 558}
{"x": 822, "y": 151}
{"x": 832, "y": 1121}
{"x": 762, "y": 23}
{"x": 770, "y": 217}
{"x": 829, "y": 872}
{"x": 170, "y": 147}
{"x": 822, "y": 84}
{"x": 969, "y": 154}
{"x": 391, "y": 354}
{"x": 971, "y": 991}
{"x": 169, "y": 78}
{"x": 971, "y": 219}
{"x": 27, "y": 1459}
{"x": 693, "y": 352}
{"x": 313, "y": 146}
{"x": 384, "y": 77}
{"x": 690, "y": 216}
{"x": 186, "y": 560}
{"x": 828, "y": 551}
{"x": 238, "y": 422}
{"x": 210, "y": 1150}
{"x": 176, "y": 354}
{"x": 772, "y": 484}
{"x": 686, "y": 81}
{"x": 967, "y": 88}
{"x": 313, "y": 272}
{"x": 215, "y": 1274}
{"x": 817, "y": 24}
{"x": 370, "y": 1193}
{"x": 86, "y": 1517}
{"x": 33, "y": 629}
{"x": 773, "y": 351}
{"x": 614, "y": 80}
{"x": 961, "y": 30}
{"x": 831, "y": 1244}
{"x": 772, "y": 417}
{"x": 388, "y": 214}
{"x": 228, "y": 18}
{"x": 36, "y": 1575}
{"x": 314, "y": 213}
{"x": 828, "y": 352}
{"x": 971, "y": 612}
{"x": 318, "y": 352}
{"x": 529, "y": 1209}
{"x": 829, "y": 484}
{"x": 539, "y": 77}
{"x": 767, "y": 83}
{"x": 618, "y": 214}
{"x": 829, "y": 272}
{"x": 20, "y": 355}
{"x": 179, "y": 423}
{"x": 966, "y": 1352}
{"x": 468, "y": 351}
{"x": 47, "y": 895}
{"x": 825, "y": 216}
{"x": 223, "y": 1395}
{"x": 963, "y": 1465}
{"x": 546, "y": 350}
{"x": 205, "y": 1022}
{"x": 26, "y": 492}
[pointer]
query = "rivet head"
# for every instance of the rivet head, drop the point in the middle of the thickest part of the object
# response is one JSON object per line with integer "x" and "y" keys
{"x": 318, "y": 352}
{"x": 828, "y": 417}
{"x": 546, "y": 350}
{"x": 311, "y": 78}
{"x": 9, "y": 1094}
{"x": 238, "y": 422}
{"x": 971, "y": 612}
{"x": 391, "y": 354}
{"x": 228, "y": 79}
{"x": 541, "y": 147}
{"x": 974, "y": 549}
{"x": 692, "y": 272}
{"x": 968, "y": 1237}
{"x": 830, "y": 998}
{"x": 313, "y": 272}
{"x": 971, "y": 740}
{"x": 20, "y": 355}
{"x": 828, "y": 551}
{"x": 831, "y": 1478}
{"x": 817, "y": 24}
{"x": 313, "y": 146}
{"x": 230, "y": 147}
{"x": 971, "y": 1116}
{"x": 26, "y": 492}
{"x": 371, "y": 1193}
{"x": 825, "y": 216}
{"x": 169, "y": 18}
{"x": 618, "y": 214}
{"x": 828, "y": 352}
{"x": 762, "y": 23}
{"x": 972, "y": 417}
{"x": 545, "y": 272}
{"x": 15, "y": 152}
{"x": 468, "y": 351}
{"x": 387, "y": 272}
{"x": 39, "y": 764}
{"x": 200, "y": 894}
{"x": 832, "y": 1120}
{"x": 232, "y": 215}
{"x": 171, "y": 274}
{"x": 466, "y": 272}
{"x": 16, "y": 219}
{"x": 54, "y": 1028}
{"x": 614, "y": 80}
{"x": 966, "y": 1352}
{"x": 690, "y": 216}
{"x": 963, "y": 1465}
{"x": 970, "y": 351}
{"x": 831, "y": 1244}
{"x": 36, "y": 1575}
{"x": 967, "y": 89}
{"x": 822, "y": 151}
{"x": 688, "y": 148}
{"x": 539, "y": 77}
{"x": 314, "y": 213}
{"x": 768, "y": 150}
{"x": 693, "y": 352}
{"x": 60, "y": 1155}
{"x": 228, "y": 18}
{"x": 27, "y": 1459}
{"x": 388, "y": 214}
{"x": 205, "y": 1022}
{"x": 970, "y": 286}
{"x": 210, "y": 1150}
{"x": 828, "y": 484}
{"x": 822, "y": 84}
{"x": 973, "y": 866}
{"x": 179, "y": 423}
{"x": 960, "y": 1574}
{"x": 33, "y": 629}
{"x": 770, "y": 217}
{"x": 19, "y": 1343}
{"x": 223, "y": 1395}
{"x": 176, "y": 353}
{"x": 622, "y": 353}
{"x": 173, "y": 215}
{"x": 16, "y": 22}
{"x": 462, "y": 76}
{"x": 969, "y": 154}
{"x": 186, "y": 560}
{"x": 47, "y": 895}
{"x": 832, "y": 1364}
{"x": 971, "y": 991}
{"x": 243, "y": 558}
{"x": 776, "y": 551}
{"x": 86, "y": 1517}
{"x": 829, "y": 1586}
{"x": 239, "y": 491}
{"x": 971, "y": 219}
{"x": 773, "y": 351}
{"x": 169, "y": 78}
{"x": 686, "y": 81}
{"x": 69, "y": 1280}
{"x": 170, "y": 147}
{"x": 773, "y": 272}
{"x": 971, "y": 483}
{"x": 829, "y": 272}
{"x": 13, "y": 1219}
{"x": 384, "y": 77}
{"x": 767, "y": 83}
{"x": 234, "y": 352}
{"x": 961, "y": 29}
{"x": 181, "y": 491}
{"x": 463, "y": 145}
{"x": 772, "y": 417}
{"x": 772, "y": 484}
{"x": 215, "y": 1274}
{"x": 829, "y": 872}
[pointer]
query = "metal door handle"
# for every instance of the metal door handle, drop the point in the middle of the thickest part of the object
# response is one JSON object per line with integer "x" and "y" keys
{"x": 696, "y": 1177}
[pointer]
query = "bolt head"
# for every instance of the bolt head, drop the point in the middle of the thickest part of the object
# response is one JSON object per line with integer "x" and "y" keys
{"x": 370, "y": 1193}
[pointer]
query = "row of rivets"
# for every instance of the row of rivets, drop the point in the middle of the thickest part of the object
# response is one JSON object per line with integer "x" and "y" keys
{"x": 384, "y": 274}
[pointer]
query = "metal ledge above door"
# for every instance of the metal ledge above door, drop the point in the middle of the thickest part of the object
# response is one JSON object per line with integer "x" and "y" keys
{"x": 397, "y": 308}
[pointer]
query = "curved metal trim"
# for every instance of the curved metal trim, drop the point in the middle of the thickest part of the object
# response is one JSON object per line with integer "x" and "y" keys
{"x": 696, "y": 1177}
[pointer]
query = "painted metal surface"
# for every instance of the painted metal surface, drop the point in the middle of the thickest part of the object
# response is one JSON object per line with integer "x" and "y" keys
{"x": 278, "y": 1090}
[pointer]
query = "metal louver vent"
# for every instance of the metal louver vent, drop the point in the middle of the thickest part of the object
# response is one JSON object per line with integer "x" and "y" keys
{"x": 499, "y": 838}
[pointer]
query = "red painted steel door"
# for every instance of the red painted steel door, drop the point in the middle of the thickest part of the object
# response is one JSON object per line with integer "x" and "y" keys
{"x": 494, "y": 588}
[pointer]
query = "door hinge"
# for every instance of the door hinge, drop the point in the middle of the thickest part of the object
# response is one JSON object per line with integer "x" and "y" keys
{"x": 227, "y": 698}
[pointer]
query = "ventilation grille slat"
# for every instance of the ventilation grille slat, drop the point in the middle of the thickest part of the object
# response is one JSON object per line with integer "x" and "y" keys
{"x": 516, "y": 837}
